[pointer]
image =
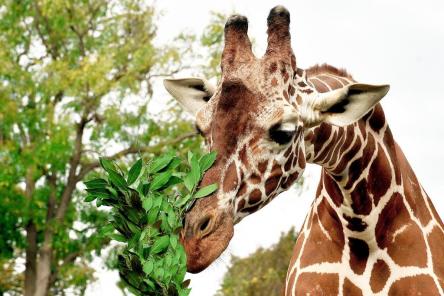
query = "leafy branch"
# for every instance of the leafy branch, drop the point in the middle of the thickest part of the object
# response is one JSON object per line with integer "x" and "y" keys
{"x": 148, "y": 205}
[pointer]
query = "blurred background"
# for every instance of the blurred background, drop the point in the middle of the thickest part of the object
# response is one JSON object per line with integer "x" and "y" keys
{"x": 83, "y": 79}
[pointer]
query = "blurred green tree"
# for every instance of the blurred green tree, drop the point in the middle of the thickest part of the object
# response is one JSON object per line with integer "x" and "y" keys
{"x": 75, "y": 82}
{"x": 212, "y": 40}
{"x": 262, "y": 273}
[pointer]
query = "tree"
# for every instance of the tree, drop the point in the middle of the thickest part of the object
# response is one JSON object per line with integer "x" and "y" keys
{"x": 75, "y": 83}
{"x": 261, "y": 273}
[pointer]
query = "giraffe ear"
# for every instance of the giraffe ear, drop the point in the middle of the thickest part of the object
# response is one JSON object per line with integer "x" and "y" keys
{"x": 191, "y": 93}
{"x": 345, "y": 105}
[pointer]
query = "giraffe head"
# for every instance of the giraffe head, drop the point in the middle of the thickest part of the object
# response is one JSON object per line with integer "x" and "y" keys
{"x": 255, "y": 120}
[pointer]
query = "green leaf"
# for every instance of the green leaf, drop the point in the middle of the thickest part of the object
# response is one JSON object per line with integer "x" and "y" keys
{"x": 205, "y": 191}
{"x": 188, "y": 181}
{"x": 90, "y": 198}
{"x": 183, "y": 255}
{"x": 171, "y": 218}
{"x": 160, "y": 180}
{"x": 112, "y": 190}
{"x": 168, "y": 260}
{"x": 183, "y": 200}
{"x": 173, "y": 181}
{"x": 148, "y": 267}
{"x": 184, "y": 292}
{"x": 107, "y": 164}
{"x": 175, "y": 162}
{"x": 149, "y": 283}
{"x": 173, "y": 241}
{"x": 134, "y": 172}
{"x": 117, "y": 179}
{"x": 152, "y": 215}
{"x": 96, "y": 183}
{"x": 160, "y": 162}
{"x": 159, "y": 273}
{"x": 99, "y": 192}
{"x": 195, "y": 169}
{"x": 206, "y": 161}
{"x": 106, "y": 230}
{"x": 189, "y": 157}
{"x": 144, "y": 189}
{"x": 158, "y": 200}
{"x": 133, "y": 227}
{"x": 193, "y": 177}
{"x": 99, "y": 202}
{"x": 164, "y": 226}
{"x": 117, "y": 237}
{"x": 147, "y": 203}
{"x": 160, "y": 244}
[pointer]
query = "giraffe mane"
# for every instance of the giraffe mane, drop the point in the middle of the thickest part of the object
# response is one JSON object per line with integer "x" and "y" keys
{"x": 327, "y": 69}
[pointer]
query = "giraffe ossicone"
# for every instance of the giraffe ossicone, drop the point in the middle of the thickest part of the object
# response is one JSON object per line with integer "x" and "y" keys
{"x": 372, "y": 230}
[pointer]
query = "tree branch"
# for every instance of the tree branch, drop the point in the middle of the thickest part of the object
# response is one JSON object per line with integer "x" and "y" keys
{"x": 73, "y": 164}
{"x": 86, "y": 168}
{"x": 38, "y": 17}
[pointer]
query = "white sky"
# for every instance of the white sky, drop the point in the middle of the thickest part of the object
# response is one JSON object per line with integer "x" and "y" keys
{"x": 396, "y": 42}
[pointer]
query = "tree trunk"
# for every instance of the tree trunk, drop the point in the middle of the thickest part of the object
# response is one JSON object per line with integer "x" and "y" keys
{"x": 31, "y": 240}
{"x": 46, "y": 251}
{"x": 31, "y": 259}
{"x": 44, "y": 270}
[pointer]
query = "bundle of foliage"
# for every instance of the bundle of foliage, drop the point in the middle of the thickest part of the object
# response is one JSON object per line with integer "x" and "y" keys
{"x": 148, "y": 205}
{"x": 262, "y": 273}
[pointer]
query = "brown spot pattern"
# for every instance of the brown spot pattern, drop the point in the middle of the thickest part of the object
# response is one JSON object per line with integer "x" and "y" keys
{"x": 379, "y": 177}
{"x": 436, "y": 239}
{"x": 332, "y": 82}
{"x": 273, "y": 67}
{"x": 320, "y": 248}
{"x": 377, "y": 120}
{"x": 333, "y": 189}
{"x": 359, "y": 252}
{"x": 230, "y": 180}
{"x": 355, "y": 223}
{"x": 262, "y": 166}
{"x": 379, "y": 276}
{"x": 412, "y": 191}
{"x": 362, "y": 204}
{"x": 274, "y": 82}
{"x": 317, "y": 284}
{"x": 255, "y": 196}
{"x": 403, "y": 245}
{"x": 255, "y": 179}
{"x": 350, "y": 289}
{"x": 414, "y": 285}
{"x": 271, "y": 184}
{"x": 358, "y": 165}
{"x": 242, "y": 189}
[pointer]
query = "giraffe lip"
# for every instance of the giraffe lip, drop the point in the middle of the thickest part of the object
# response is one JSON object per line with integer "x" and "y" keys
{"x": 195, "y": 268}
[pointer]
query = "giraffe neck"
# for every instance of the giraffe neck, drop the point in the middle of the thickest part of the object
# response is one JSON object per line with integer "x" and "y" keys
{"x": 371, "y": 228}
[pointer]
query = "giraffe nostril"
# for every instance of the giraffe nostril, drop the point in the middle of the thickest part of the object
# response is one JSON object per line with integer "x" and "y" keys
{"x": 204, "y": 226}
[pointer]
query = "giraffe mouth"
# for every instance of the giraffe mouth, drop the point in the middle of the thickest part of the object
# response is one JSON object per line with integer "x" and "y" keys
{"x": 205, "y": 241}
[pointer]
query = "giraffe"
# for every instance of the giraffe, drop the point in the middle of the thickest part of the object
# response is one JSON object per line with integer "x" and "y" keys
{"x": 371, "y": 230}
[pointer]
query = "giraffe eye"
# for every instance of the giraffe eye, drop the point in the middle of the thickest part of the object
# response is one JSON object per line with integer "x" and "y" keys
{"x": 282, "y": 133}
